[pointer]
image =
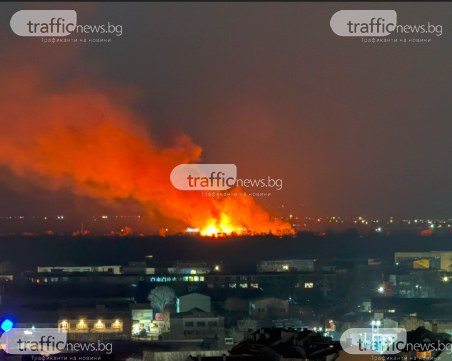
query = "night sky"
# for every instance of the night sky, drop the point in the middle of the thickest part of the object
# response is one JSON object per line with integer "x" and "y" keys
{"x": 352, "y": 128}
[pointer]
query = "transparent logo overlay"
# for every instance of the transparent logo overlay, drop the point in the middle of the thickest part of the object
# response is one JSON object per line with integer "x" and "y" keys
{"x": 363, "y": 22}
{"x": 47, "y": 341}
{"x": 372, "y": 340}
{"x": 216, "y": 177}
{"x": 56, "y": 23}
{"x": 190, "y": 177}
{"x": 377, "y": 23}
{"x": 44, "y": 22}
{"x": 33, "y": 341}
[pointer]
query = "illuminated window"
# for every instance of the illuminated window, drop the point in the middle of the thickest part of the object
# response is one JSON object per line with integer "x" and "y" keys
{"x": 81, "y": 325}
{"x": 117, "y": 324}
{"x": 201, "y": 278}
{"x": 64, "y": 325}
{"x": 233, "y": 285}
{"x": 99, "y": 325}
{"x": 244, "y": 285}
{"x": 254, "y": 285}
{"x": 308, "y": 285}
{"x": 424, "y": 355}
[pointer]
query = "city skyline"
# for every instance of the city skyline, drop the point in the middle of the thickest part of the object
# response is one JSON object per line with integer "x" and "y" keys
{"x": 225, "y": 181}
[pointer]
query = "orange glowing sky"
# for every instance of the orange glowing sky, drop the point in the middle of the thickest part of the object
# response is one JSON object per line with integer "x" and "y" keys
{"x": 351, "y": 128}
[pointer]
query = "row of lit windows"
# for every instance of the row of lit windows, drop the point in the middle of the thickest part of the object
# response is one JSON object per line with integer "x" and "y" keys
{"x": 84, "y": 325}
{"x": 193, "y": 278}
{"x": 163, "y": 279}
{"x": 48, "y": 279}
{"x": 235, "y": 285}
{"x": 243, "y": 285}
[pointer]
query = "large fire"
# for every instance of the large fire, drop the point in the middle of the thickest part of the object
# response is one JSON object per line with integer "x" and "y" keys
{"x": 221, "y": 226}
{"x": 249, "y": 219}
{"x": 70, "y": 135}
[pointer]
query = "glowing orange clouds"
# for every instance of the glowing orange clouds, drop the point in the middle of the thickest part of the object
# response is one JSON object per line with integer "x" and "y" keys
{"x": 78, "y": 137}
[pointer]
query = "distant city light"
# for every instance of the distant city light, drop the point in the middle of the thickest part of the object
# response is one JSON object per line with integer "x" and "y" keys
{"x": 376, "y": 323}
{"x": 381, "y": 289}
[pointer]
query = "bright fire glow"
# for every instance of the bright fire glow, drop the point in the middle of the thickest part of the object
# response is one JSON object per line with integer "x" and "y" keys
{"x": 225, "y": 226}
{"x": 222, "y": 226}
{"x": 88, "y": 139}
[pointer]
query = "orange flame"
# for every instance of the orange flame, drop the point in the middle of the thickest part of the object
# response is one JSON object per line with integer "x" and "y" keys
{"x": 89, "y": 141}
{"x": 220, "y": 226}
